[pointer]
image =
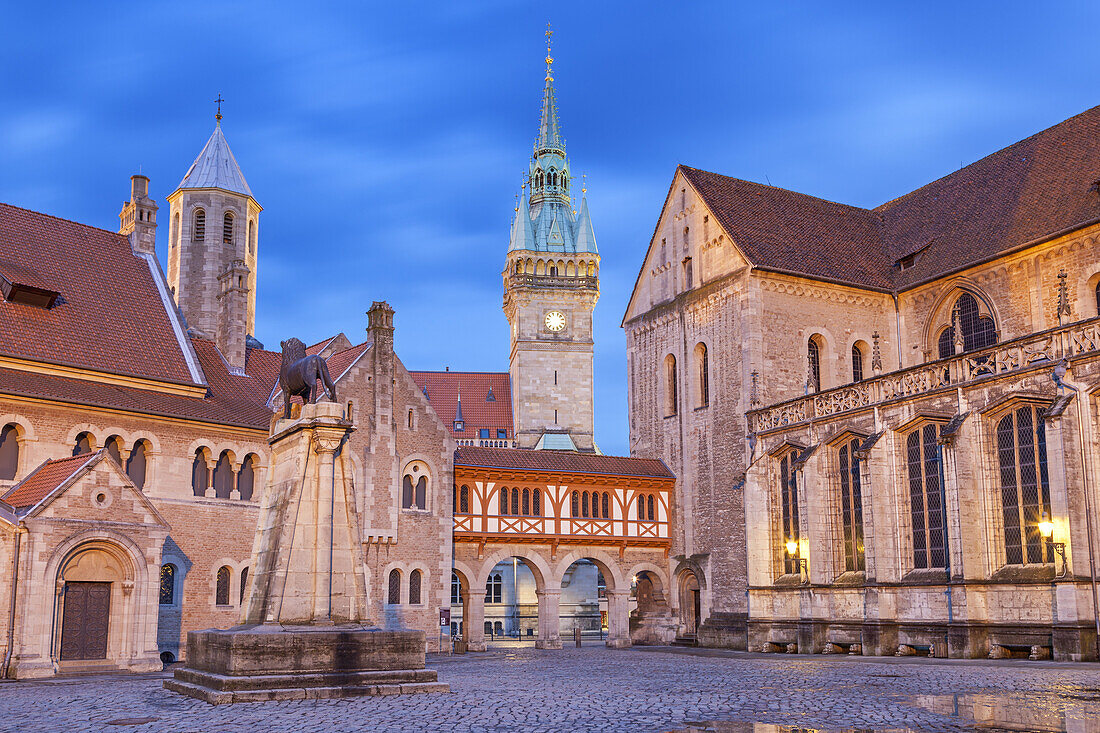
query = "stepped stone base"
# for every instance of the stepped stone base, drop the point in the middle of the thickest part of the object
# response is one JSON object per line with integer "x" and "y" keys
{"x": 272, "y": 662}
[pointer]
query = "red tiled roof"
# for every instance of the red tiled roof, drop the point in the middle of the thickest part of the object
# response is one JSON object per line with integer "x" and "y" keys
{"x": 478, "y": 412}
{"x": 109, "y": 316}
{"x": 339, "y": 362}
{"x": 559, "y": 461}
{"x": 44, "y": 479}
{"x": 231, "y": 399}
{"x": 1028, "y": 191}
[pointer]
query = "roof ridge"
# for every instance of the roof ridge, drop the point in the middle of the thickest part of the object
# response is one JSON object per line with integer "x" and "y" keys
{"x": 972, "y": 164}
{"x": 781, "y": 189}
{"x": 61, "y": 218}
{"x": 450, "y": 371}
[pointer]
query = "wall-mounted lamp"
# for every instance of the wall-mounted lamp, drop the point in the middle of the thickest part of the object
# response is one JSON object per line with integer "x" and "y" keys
{"x": 800, "y": 562}
{"x": 1046, "y": 529}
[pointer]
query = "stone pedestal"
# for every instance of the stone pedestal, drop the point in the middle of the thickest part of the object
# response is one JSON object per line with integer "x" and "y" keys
{"x": 304, "y": 631}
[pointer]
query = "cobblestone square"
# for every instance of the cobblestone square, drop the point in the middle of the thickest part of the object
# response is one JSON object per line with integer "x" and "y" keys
{"x": 595, "y": 689}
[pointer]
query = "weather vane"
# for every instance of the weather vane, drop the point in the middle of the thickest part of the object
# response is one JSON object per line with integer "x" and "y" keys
{"x": 219, "y": 100}
{"x": 549, "y": 58}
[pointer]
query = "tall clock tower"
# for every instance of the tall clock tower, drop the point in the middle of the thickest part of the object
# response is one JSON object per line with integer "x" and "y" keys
{"x": 551, "y": 285}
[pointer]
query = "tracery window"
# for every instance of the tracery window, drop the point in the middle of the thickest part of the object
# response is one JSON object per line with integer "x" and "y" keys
{"x": 925, "y": 498}
{"x": 414, "y": 587}
{"x": 857, "y": 363}
{"x": 978, "y": 331}
{"x": 393, "y": 595}
{"x": 221, "y": 593}
{"x": 494, "y": 588}
{"x": 851, "y": 506}
{"x": 167, "y": 584}
{"x": 1025, "y": 493}
{"x": 414, "y": 487}
{"x": 788, "y": 503}
{"x": 9, "y": 452}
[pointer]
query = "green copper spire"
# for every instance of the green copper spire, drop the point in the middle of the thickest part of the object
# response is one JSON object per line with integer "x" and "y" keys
{"x": 549, "y": 129}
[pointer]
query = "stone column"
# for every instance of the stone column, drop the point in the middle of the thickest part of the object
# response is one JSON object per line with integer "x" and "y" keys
{"x": 325, "y": 442}
{"x": 618, "y": 618}
{"x": 473, "y": 621}
{"x": 549, "y": 622}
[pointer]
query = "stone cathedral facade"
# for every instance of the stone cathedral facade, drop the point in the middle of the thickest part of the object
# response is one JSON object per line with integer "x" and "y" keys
{"x": 883, "y": 421}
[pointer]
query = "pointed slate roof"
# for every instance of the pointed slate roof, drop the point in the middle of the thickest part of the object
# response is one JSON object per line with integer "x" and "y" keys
{"x": 216, "y": 168}
{"x": 585, "y": 237}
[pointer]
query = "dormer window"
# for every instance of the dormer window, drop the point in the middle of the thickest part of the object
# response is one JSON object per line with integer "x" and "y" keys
{"x": 907, "y": 261}
{"x": 490, "y": 397}
{"x": 17, "y": 292}
{"x": 460, "y": 426}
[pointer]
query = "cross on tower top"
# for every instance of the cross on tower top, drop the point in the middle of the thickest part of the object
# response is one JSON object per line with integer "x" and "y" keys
{"x": 218, "y": 115}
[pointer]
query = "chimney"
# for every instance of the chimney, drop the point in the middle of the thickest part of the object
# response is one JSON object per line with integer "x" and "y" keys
{"x": 138, "y": 218}
{"x": 231, "y": 338}
{"x": 379, "y": 428}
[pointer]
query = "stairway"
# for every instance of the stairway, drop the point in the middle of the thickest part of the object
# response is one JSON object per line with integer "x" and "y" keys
{"x": 686, "y": 640}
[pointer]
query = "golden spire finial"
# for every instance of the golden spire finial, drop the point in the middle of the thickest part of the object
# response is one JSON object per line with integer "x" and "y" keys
{"x": 584, "y": 183}
{"x": 218, "y": 114}
{"x": 549, "y": 58}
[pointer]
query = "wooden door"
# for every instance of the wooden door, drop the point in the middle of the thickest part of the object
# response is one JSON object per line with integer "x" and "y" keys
{"x": 85, "y": 620}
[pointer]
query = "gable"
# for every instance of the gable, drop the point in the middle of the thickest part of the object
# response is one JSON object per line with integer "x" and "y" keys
{"x": 100, "y": 491}
{"x": 713, "y": 251}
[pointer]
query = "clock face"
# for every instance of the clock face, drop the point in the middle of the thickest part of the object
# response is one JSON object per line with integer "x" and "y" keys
{"x": 555, "y": 321}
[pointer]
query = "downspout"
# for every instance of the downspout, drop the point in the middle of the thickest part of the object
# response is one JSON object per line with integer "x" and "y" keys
{"x": 946, "y": 550}
{"x": 20, "y": 531}
{"x": 1082, "y": 422}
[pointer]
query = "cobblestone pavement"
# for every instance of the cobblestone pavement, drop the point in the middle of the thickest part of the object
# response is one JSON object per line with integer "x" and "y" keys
{"x": 595, "y": 689}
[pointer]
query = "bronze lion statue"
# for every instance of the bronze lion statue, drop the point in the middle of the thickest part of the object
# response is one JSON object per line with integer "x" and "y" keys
{"x": 299, "y": 375}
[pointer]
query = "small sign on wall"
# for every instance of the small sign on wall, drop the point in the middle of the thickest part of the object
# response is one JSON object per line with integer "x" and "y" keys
{"x": 445, "y": 617}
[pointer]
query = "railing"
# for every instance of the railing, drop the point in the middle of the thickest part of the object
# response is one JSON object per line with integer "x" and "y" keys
{"x": 1046, "y": 347}
{"x": 580, "y": 282}
{"x": 486, "y": 442}
{"x": 565, "y": 527}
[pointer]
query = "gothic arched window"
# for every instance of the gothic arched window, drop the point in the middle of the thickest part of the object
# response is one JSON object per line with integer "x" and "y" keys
{"x": 584, "y": 504}
{"x": 414, "y": 487}
{"x": 649, "y": 507}
{"x": 641, "y": 507}
{"x": 503, "y": 509}
{"x": 9, "y": 452}
{"x": 788, "y": 501}
{"x": 857, "y": 363}
{"x": 851, "y": 506}
{"x": 925, "y": 506}
{"x": 536, "y": 502}
{"x": 393, "y": 597}
{"x": 252, "y": 236}
{"x": 605, "y": 501}
{"x": 137, "y": 463}
{"x": 198, "y": 226}
{"x": 1025, "y": 492}
{"x": 575, "y": 504}
{"x": 227, "y": 228}
{"x": 978, "y": 331}
{"x": 526, "y": 503}
{"x": 1098, "y": 297}
{"x": 414, "y": 587}
{"x": 221, "y": 593}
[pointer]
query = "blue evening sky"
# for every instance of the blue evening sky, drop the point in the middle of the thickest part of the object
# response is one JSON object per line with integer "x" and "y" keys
{"x": 386, "y": 140}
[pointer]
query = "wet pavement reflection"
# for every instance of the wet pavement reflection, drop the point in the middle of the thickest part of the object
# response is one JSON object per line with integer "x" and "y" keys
{"x": 1074, "y": 710}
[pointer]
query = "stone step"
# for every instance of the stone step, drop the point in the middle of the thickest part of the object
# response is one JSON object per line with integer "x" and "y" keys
{"x": 686, "y": 640}
{"x": 236, "y": 683}
{"x": 217, "y": 697}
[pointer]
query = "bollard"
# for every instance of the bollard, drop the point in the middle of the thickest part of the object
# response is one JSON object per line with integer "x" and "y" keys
{"x": 577, "y": 637}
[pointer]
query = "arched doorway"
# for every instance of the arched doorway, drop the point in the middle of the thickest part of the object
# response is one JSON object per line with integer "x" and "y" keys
{"x": 651, "y": 618}
{"x": 690, "y": 603}
{"x": 95, "y": 583}
{"x": 583, "y": 604}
